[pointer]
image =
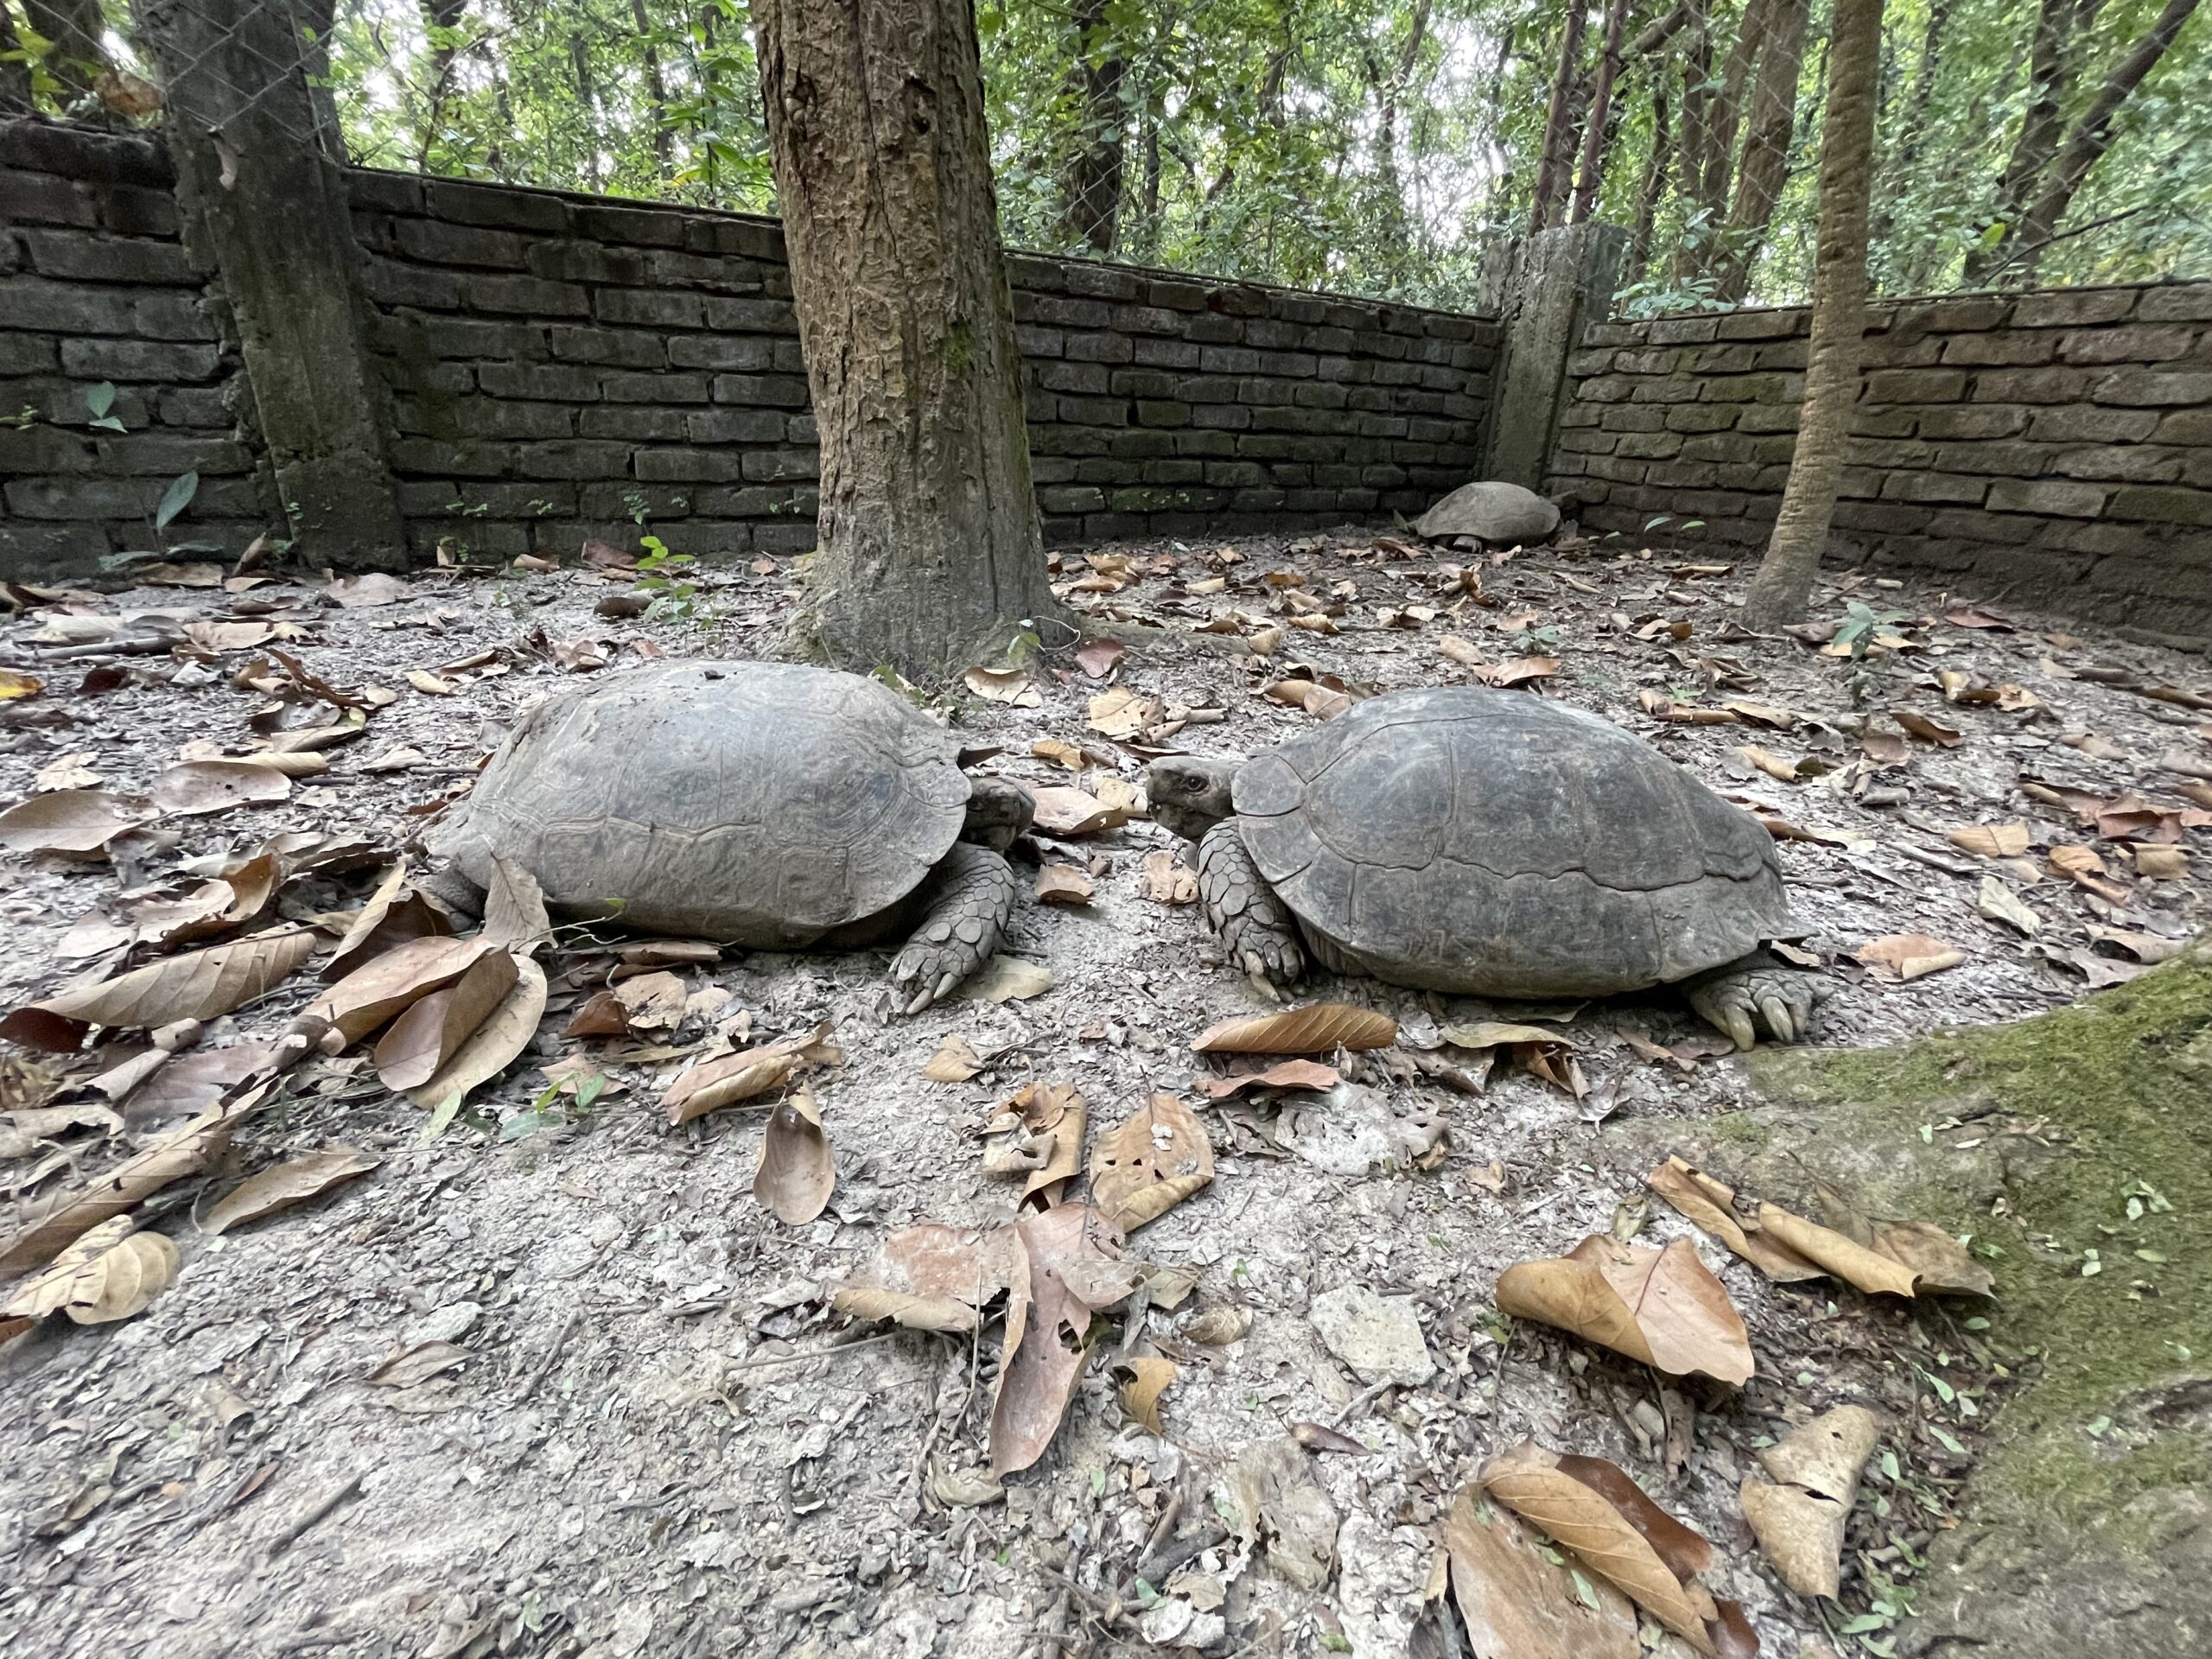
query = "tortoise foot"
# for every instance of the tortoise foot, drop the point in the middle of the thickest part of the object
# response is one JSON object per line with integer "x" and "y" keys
{"x": 1255, "y": 927}
{"x": 970, "y": 900}
{"x": 1756, "y": 995}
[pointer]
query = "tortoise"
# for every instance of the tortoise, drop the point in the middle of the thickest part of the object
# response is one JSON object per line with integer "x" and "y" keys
{"x": 1489, "y": 842}
{"x": 1490, "y": 511}
{"x": 765, "y": 804}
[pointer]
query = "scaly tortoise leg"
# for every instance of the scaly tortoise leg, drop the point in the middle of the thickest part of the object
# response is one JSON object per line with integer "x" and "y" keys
{"x": 1756, "y": 991}
{"x": 1254, "y": 927}
{"x": 970, "y": 900}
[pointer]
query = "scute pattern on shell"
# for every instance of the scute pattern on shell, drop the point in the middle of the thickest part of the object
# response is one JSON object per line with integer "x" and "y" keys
{"x": 1491, "y": 843}
{"x": 762, "y": 804}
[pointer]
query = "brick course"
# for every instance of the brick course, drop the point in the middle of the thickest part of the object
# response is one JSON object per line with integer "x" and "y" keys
{"x": 2056, "y": 445}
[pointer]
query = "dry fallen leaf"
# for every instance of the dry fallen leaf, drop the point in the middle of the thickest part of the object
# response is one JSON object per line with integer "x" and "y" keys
{"x": 1119, "y": 712}
{"x": 1799, "y": 1519}
{"x": 1991, "y": 840}
{"x": 357, "y": 593}
{"x": 1070, "y": 1268}
{"x": 199, "y": 786}
{"x": 1597, "y": 1513}
{"x": 1711, "y": 1206}
{"x": 199, "y": 985}
{"x": 1068, "y": 813}
{"x": 388, "y": 984}
{"x": 1315, "y": 1028}
{"x": 292, "y": 1182}
{"x": 429, "y": 684}
{"x": 1007, "y": 685}
{"x": 2161, "y": 863}
{"x": 1007, "y": 979}
{"x": 1150, "y": 1164}
{"x": 107, "y": 1273}
{"x": 68, "y": 773}
{"x": 955, "y": 1061}
{"x": 426, "y": 1036}
{"x": 1519, "y": 1601}
{"x": 725, "y": 1081}
{"x": 418, "y": 1364}
{"x": 797, "y": 1175}
{"x": 394, "y": 914}
{"x": 495, "y": 1044}
{"x": 1165, "y": 882}
{"x": 1517, "y": 671}
{"x": 1148, "y": 1380}
{"x": 1283, "y": 1507}
{"x": 2001, "y": 904}
{"x": 1284, "y": 1074}
{"x": 932, "y": 1277}
{"x": 76, "y": 821}
{"x": 1662, "y": 1307}
{"x": 1063, "y": 884}
{"x": 1052, "y": 1115}
{"x": 1900, "y": 956}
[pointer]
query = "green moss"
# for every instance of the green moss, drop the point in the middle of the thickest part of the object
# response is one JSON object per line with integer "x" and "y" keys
{"x": 2095, "y": 1103}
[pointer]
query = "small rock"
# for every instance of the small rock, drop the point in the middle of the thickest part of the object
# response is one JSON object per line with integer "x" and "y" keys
{"x": 1379, "y": 1337}
{"x": 448, "y": 1323}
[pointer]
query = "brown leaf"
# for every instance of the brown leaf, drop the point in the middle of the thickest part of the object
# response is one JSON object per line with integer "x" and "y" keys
{"x": 425, "y": 1360}
{"x": 932, "y": 1277}
{"x": 394, "y": 914}
{"x": 1067, "y": 811}
{"x": 1007, "y": 685}
{"x": 725, "y": 1081}
{"x": 796, "y": 1176}
{"x": 109, "y": 1273}
{"x": 192, "y": 1083}
{"x": 199, "y": 786}
{"x": 432, "y": 1031}
{"x": 1165, "y": 882}
{"x": 2161, "y": 863}
{"x": 1532, "y": 1482}
{"x": 1151, "y": 1163}
{"x": 75, "y": 821}
{"x": 495, "y": 1044}
{"x": 1284, "y": 1074}
{"x": 1991, "y": 840}
{"x": 1281, "y": 1505}
{"x": 514, "y": 906}
{"x": 1320, "y": 1437}
{"x": 652, "y": 1001}
{"x": 1520, "y": 1605}
{"x": 1098, "y": 657}
{"x": 1316, "y": 1028}
{"x": 360, "y": 593}
{"x": 390, "y": 983}
{"x": 1710, "y": 1206}
{"x": 1844, "y": 1257}
{"x": 1064, "y": 754}
{"x": 1973, "y": 616}
{"x": 196, "y": 985}
{"x": 1937, "y": 1261}
{"x": 1927, "y": 730}
{"x": 1661, "y": 1307}
{"x": 1149, "y": 1378}
{"x": 292, "y": 1182}
{"x": 1518, "y": 670}
{"x": 599, "y": 1014}
{"x": 1006, "y": 978}
{"x": 1065, "y": 1252}
{"x": 1800, "y": 1522}
{"x": 1056, "y": 1110}
{"x": 1900, "y": 956}
{"x": 955, "y": 1061}
{"x": 1063, "y": 884}
{"x": 1769, "y": 763}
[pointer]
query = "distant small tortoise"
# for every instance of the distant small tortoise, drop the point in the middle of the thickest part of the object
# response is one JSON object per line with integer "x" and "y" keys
{"x": 1492, "y": 843}
{"x": 756, "y": 803}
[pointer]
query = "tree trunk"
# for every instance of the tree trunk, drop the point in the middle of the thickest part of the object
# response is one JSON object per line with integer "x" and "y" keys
{"x": 2092, "y": 137}
{"x": 1784, "y": 580}
{"x": 928, "y": 524}
{"x": 1725, "y": 113}
{"x": 74, "y": 27}
{"x": 15, "y": 72}
{"x": 1697, "y": 101}
{"x": 443, "y": 14}
{"x": 2053, "y": 60}
{"x": 656, "y": 94}
{"x": 1597, "y": 139}
{"x": 1654, "y": 190}
{"x": 1551, "y": 165}
{"x": 1919, "y": 97}
{"x": 1765, "y": 167}
{"x": 1090, "y": 183}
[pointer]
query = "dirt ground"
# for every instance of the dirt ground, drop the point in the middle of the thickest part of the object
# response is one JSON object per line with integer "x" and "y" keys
{"x": 632, "y": 1461}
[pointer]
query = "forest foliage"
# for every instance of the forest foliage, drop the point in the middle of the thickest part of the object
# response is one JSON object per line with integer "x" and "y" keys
{"x": 1371, "y": 146}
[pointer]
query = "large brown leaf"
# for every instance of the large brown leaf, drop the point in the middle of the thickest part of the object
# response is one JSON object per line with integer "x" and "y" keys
{"x": 932, "y": 1277}
{"x": 1660, "y": 1306}
{"x": 495, "y": 1044}
{"x": 1316, "y": 1028}
{"x": 108, "y": 1273}
{"x": 196, "y": 985}
{"x": 292, "y": 1182}
{"x": 1150, "y": 1164}
{"x": 394, "y": 915}
{"x": 730, "y": 1079}
{"x": 391, "y": 984}
{"x": 75, "y": 821}
{"x": 200, "y": 786}
{"x": 1710, "y": 1206}
{"x": 1519, "y": 1604}
{"x": 1052, "y": 1115}
{"x": 796, "y": 1176}
{"x": 1937, "y": 1261}
{"x": 1799, "y": 1518}
{"x": 425, "y": 1038}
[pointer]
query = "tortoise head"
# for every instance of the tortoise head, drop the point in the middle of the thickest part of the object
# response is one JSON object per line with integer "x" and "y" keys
{"x": 1189, "y": 793}
{"x": 998, "y": 811}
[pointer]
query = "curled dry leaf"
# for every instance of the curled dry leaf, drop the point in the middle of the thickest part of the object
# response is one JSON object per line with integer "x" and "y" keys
{"x": 1064, "y": 811}
{"x": 419, "y": 1364}
{"x": 393, "y": 981}
{"x": 1799, "y": 1517}
{"x": 1901, "y": 956}
{"x": 1070, "y": 1268}
{"x": 495, "y": 1044}
{"x": 1282, "y": 1508}
{"x": 1165, "y": 882}
{"x": 932, "y": 1277}
{"x": 394, "y": 914}
{"x": 1284, "y": 1074}
{"x": 199, "y": 786}
{"x": 1662, "y": 1307}
{"x": 1709, "y": 1206}
{"x": 1316, "y": 1028}
{"x": 197, "y": 986}
{"x": 1998, "y": 903}
{"x": 107, "y": 1273}
{"x": 292, "y": 1182}
{"x": 1546, "y": 1054}
{"x": 600, "y": 1014}
{"x": 73, "y": 821}
{"x": 1119, "y": 712}
{"x": 1053, "y": 1115}
{"x": 1520, "y": 1602}
{"x": 1151, "y": 1163}
{"x": 1989, "y": 840}
{"x": 955, "y": 1061}
{"x": 1007, "y": 685}
{"x": 652, "y": 1001}
{"x": 1601, "y": 1517}
{"x": 1219, "y": 1325}
{"x": 725, "y": 1081}
{"x": 1063, "y": 884}
{"x": 797, "y": 1175}
{"x": 426, "y": 1036}
{"x": 1148, "y": 1379}
{"x": 1009, "y": 979}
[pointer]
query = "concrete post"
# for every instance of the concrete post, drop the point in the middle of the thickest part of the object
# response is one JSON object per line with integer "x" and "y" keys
{"x": 260, "y": 179}
{"x": 1544, "y": 288}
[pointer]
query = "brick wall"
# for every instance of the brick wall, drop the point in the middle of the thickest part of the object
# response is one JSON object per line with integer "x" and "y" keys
{"x": 2056, "y": 445}
{"x": 559, "y": 363}
{"x": 95, "y": 287}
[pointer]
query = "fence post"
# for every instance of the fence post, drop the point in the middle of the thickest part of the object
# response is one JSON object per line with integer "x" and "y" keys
{"x": 1543, "y": 288}
{"x": 260, "y": 181}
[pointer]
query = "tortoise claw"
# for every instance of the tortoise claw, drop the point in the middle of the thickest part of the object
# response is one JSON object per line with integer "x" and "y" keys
{"x": 967, "y": 915}
{"x": 1758, "y": 994}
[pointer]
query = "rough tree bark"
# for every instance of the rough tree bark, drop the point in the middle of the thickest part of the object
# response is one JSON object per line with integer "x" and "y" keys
{"x": 259, "y": 178}
{"x": 1597, "y": 138}
{"x": 2053, "y": 55}
{"x": 928, "y": 525}
{"x": 1552, "y": 159}
{"x": 1765, "y": 166}
{"x": 656, "y": 93}
{"x": 1090, "y": 183}
{"x": 1654, "y": 188}
{"x": 1784, "y": 579}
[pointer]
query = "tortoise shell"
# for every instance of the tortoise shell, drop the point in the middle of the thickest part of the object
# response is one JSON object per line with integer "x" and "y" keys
{"x": 761, "y": 803}
{"x": 1487, "y": 842}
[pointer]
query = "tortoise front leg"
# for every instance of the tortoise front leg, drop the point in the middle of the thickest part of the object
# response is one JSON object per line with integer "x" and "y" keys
{"x": 970, "y": 900}
{"x": 1254, "y": 927}
{"x": 1739, "y": 997}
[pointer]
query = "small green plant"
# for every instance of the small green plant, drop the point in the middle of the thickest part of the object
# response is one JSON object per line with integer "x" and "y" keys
{"x": 1534, "y": 642}
{"x": 101, "y": 400}
{"x": 1861, "y": 622}
{"x": 640, "y": 509}
{"x": 659, "y": 575}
